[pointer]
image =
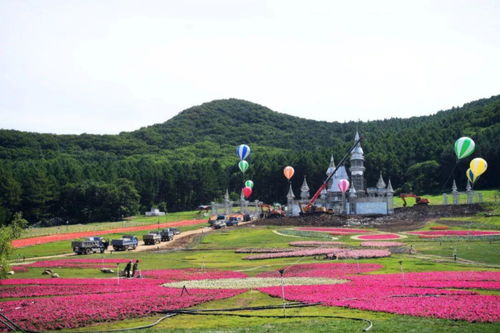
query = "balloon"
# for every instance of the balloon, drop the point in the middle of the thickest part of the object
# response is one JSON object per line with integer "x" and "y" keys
{"x": 343, "y": 185}
{"x": 249, "y": 183}
{"x": 478, "y": 166}
{"x": 288, "y": 172}
{"x": 470, "y": 176}
{"x": 243, "y": 165}
{"x": 464, "y": 147}
{"x": 242, "y": 151}
{"x": 247, "y": 191}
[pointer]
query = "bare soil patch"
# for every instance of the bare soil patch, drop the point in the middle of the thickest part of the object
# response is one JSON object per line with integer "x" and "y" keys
{"x": 403, "y": 219}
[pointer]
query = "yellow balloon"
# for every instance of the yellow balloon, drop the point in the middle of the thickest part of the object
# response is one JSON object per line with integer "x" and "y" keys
{"x": 478, "y": 166}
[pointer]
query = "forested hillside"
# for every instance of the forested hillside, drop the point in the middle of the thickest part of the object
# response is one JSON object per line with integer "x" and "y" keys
{"x": 189, "y": 159}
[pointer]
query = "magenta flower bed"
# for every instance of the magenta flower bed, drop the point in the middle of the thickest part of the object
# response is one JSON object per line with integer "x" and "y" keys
{"x": 382, "y": 244}
{"x": 335, "y": 231}
{"x": 417, "y": 294}
{"x": 76, "y": 311}
{"x": 99, "y": 300}
{"x": 297, "y": 253}
{"x": 314, "y": 243}
{"x": 380, "y": 236}
{"x": 78, "y": 263}
{"x": 172, "y": 275}
{"x": 438, "y": 233}
{"x": 329, "y": 252}
{"x": 333, "y": 270}
{"x": 359, "y": 254}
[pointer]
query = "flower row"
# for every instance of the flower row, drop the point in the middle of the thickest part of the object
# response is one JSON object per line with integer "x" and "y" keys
{"x": 382, "y": 244}
{"x": 438, "y": 233}
{"x": 329, "y": 252}
{"x": 378, "y": 236}
{"x": 335, "y": 231}
{"x": 314, "y": 243}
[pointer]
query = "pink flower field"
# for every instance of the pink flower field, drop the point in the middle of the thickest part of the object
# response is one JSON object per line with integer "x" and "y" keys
{"x": 441, "y": 233}
{"x": 335, "y": 231}
{"x": 88, "y": 301}
{"x": 314, "y": 243}
{"x": 379, "y": 236}
{"x": 48, "y": 304}
{"x": 382, "y": 244}
{"x": 416, "y": 294}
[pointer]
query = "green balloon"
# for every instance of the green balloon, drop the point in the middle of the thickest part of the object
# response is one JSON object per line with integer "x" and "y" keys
{"x": 243, "y": 165}
{"x": 464, "y": 147}
{"x": 249, "y": 183}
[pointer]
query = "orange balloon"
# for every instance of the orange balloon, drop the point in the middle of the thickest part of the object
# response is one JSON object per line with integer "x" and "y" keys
{"x": 288, "y": 172}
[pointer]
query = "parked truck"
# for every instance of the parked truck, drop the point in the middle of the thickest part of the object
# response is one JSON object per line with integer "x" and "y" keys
{"x": 167, "y": 234}
{"x": 151, "y": 238}
{"x": 90, "y": 245}
{"x": 127, "y": 242}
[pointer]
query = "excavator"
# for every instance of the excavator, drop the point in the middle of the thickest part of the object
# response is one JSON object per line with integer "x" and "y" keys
{"x": 418, "y": 200}
{"x": 309, "y": 208}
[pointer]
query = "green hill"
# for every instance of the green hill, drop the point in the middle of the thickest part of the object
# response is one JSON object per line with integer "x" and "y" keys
{"x": 189, "y": 159}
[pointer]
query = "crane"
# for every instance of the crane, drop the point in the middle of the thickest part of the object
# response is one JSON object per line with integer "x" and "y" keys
{"x": 307, "y": 208}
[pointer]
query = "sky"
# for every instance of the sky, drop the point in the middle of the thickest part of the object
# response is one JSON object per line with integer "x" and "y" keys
{"x": 104, "y": 66}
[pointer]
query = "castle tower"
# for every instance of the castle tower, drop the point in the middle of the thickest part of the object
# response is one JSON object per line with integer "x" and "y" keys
{"x": 304, "y": 190}
{"x": 357, "y": 166}
{"x": 329, "y": 171}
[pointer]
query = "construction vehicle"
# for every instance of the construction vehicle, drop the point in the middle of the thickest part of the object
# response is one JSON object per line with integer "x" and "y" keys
{"x": 309, "y": 207}
{"x": 127, "y": 242}
{"x": 418, "y": 200}
{"x": 152, "y": 238}
{"x": 272, "y": 211}
{"x": 90, "y": 245}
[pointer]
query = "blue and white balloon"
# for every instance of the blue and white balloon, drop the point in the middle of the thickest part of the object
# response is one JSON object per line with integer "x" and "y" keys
{"x": 242, "y": 151}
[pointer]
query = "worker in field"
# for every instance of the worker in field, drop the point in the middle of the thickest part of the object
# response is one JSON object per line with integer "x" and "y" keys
{"x": 135, "y": 267}
{"x": 126, "y": 272}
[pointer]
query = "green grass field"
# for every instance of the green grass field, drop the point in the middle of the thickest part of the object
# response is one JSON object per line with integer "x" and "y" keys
{"x": 216, "y": 250}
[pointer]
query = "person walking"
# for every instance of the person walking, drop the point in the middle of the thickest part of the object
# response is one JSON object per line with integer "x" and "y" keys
{"x": 127, "y": 269}
{"x": 135, "y": 267}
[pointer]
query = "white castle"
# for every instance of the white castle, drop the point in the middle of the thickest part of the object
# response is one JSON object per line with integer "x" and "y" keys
{"x": 359, "y": 199}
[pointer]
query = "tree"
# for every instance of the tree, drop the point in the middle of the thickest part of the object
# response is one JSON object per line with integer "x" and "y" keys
{"x": 7, "y": 234}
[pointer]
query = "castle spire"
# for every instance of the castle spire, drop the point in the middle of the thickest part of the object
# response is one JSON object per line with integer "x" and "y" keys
{"x": 381, "y": 183}
{"x": 331, "y": 167}
{"x": 304, "y": 190}
{"x": 389, "y": 187}
{"x": 290, "y": 195}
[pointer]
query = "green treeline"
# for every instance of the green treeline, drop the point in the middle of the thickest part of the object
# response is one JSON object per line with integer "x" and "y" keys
{"x": 190, "y": 159}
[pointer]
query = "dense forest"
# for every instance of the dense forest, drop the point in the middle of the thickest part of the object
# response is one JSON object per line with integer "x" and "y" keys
{"x": 190, "y": 159}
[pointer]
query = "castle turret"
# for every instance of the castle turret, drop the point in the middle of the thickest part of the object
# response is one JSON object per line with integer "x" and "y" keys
{"x": 304, "y": 190}
{"x": 381, "y": 184}
{"x": 357, "y": 166}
